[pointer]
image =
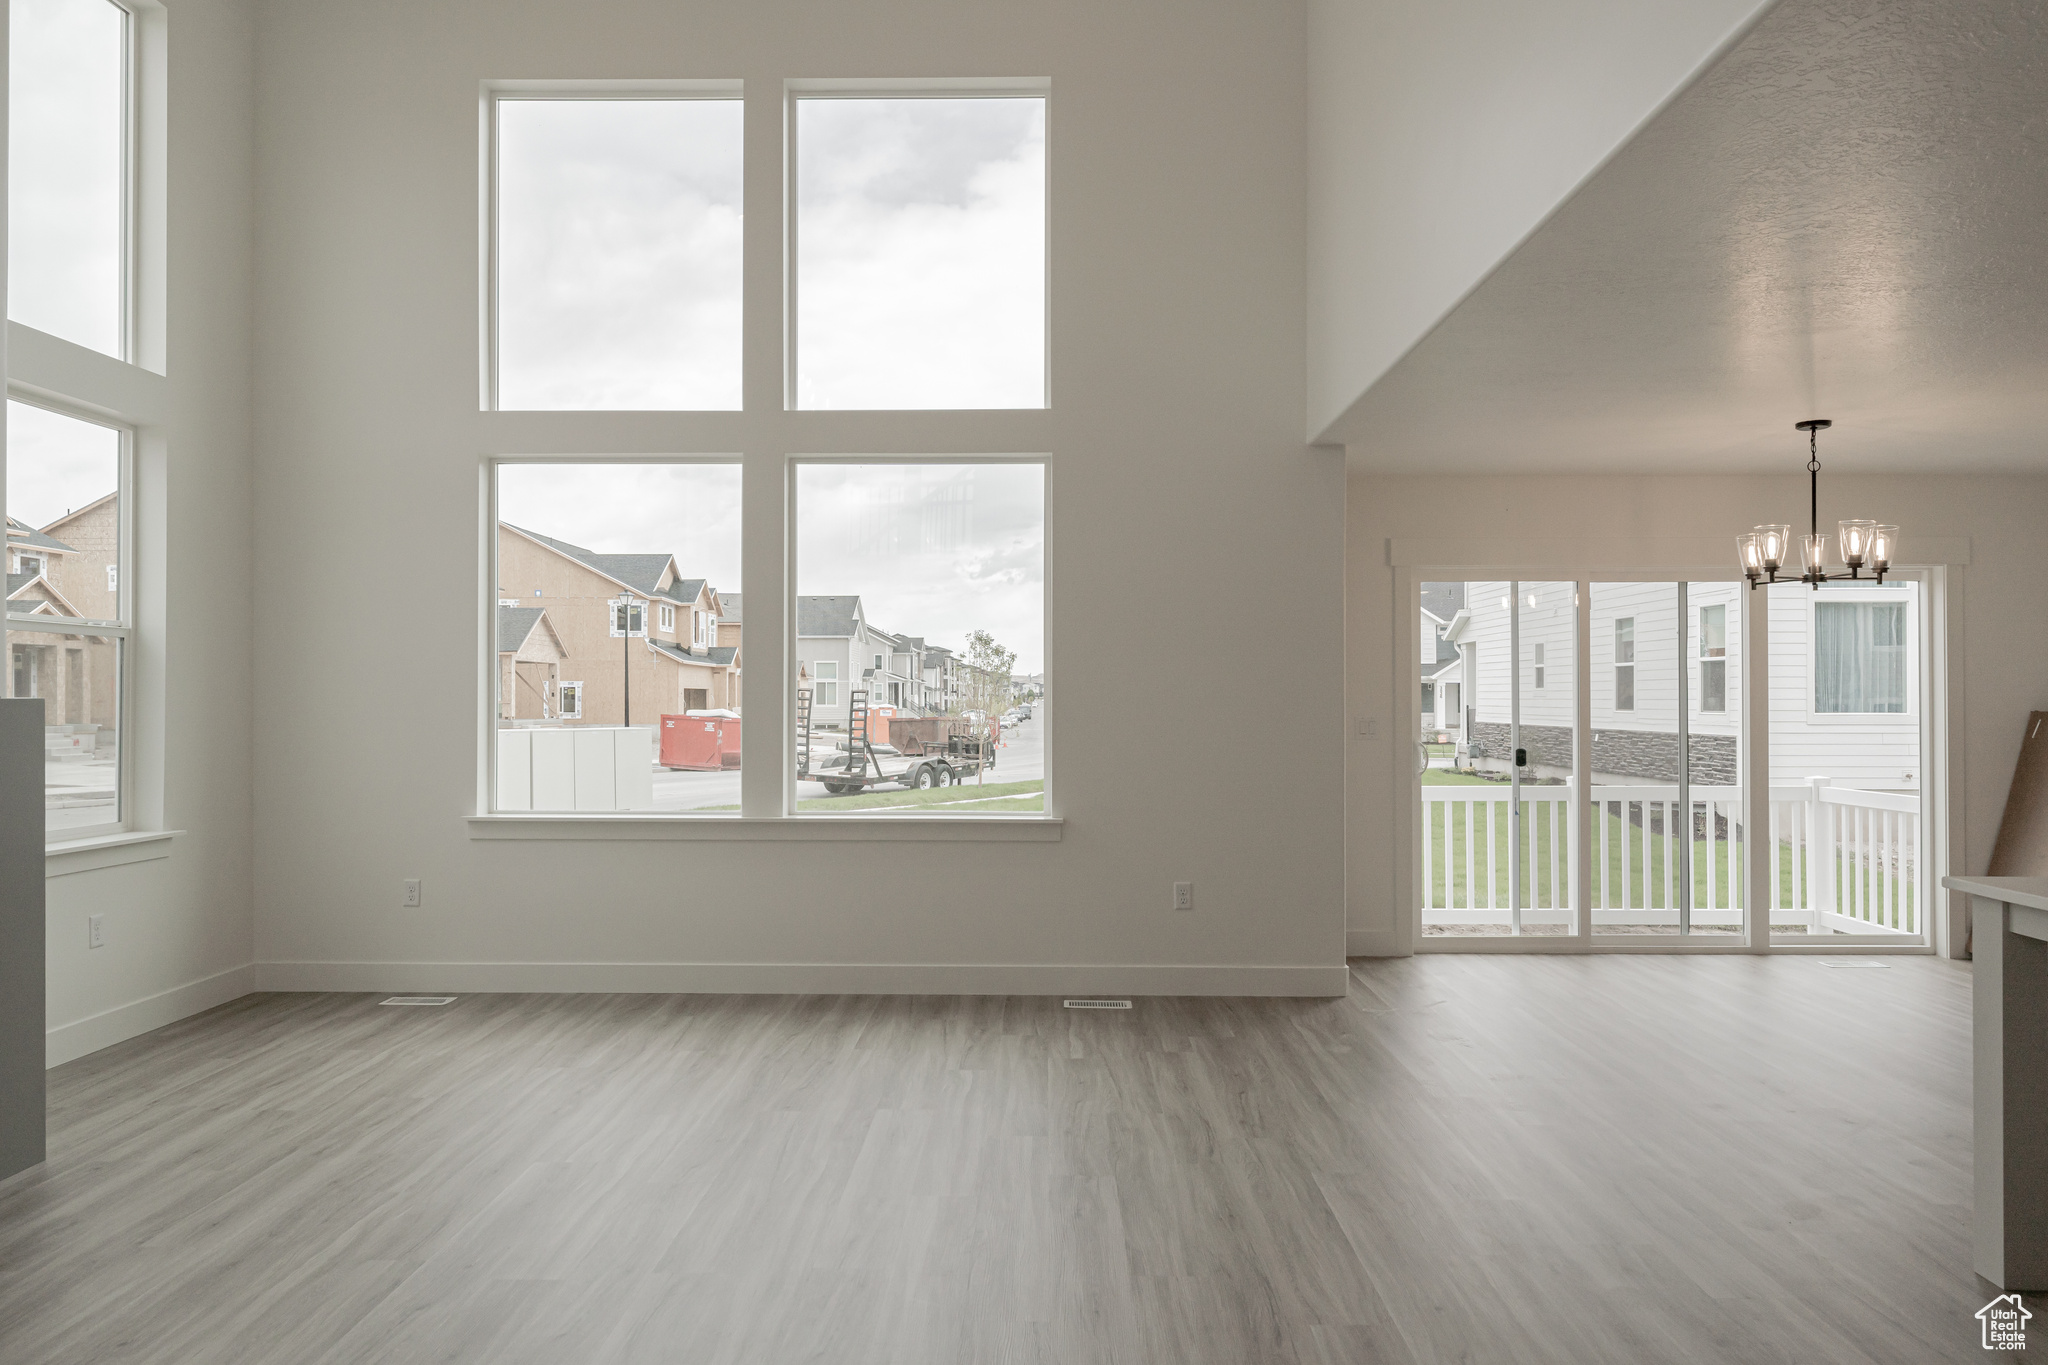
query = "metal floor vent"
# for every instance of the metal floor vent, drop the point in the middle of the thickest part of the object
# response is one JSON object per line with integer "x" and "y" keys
{"x": 1886, "y": 966}
{"x": 419, "y": 1000}
{"x": 1098, "y": 1004}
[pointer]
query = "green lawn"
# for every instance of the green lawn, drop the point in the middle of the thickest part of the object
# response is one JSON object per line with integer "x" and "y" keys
{"x": 966, "y": 799}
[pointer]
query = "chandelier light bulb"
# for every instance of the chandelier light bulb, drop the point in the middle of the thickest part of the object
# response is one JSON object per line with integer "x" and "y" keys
{"x": 1856, "y": 541}
{"x": 1883, "y": 542}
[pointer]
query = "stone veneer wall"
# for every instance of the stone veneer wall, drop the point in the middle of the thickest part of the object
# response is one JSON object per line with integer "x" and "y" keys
{"x": 1647, "y": 754}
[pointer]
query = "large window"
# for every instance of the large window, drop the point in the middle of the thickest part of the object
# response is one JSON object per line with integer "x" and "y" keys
{"x": 67, "y": 170}
{"x": 1625, "y": 664}
{"x": 951, "y": 556}
{"x": 1713, "y": 647}
{"x": 920, "y": 252}
{"x": 601, "y": 704}
{"x": 67, "y": 618}
{"x": 1859, "y": 657}
{"x": 618, "y": 252}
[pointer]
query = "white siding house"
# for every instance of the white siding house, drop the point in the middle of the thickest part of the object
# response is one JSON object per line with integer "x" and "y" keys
{"x": 1854, "y": 719}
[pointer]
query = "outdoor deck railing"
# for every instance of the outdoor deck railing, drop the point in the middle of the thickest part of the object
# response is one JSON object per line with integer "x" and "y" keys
{"x": 1842, "y": 860}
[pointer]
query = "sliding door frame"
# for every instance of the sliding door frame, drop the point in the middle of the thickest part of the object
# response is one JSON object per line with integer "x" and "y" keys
{"x": 1413, "y": 564}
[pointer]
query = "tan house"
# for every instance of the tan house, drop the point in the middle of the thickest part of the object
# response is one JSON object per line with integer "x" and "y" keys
{"x": 530, "y": 657}
{"x": 678, "y": 666}
{"x": 76, "y": 676}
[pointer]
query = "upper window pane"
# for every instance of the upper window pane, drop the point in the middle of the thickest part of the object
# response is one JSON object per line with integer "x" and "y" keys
{"x": 63, "y": 515}
{"x": 67, "y": 111}
{"x": 619, "y": 253}
{"x": 1859, "y": 657}
{"x": 920, "y": 253}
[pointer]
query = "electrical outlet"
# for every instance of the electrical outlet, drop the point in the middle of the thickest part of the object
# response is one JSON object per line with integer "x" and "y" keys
{"x": 412, "y": 893}
{"x": 1368, "y": 727}
{"x": 1183, "y": 895}
{"x": 95, "y": 931}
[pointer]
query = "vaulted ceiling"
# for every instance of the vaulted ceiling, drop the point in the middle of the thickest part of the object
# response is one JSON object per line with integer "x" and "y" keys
{"x": 1845, "y": 217}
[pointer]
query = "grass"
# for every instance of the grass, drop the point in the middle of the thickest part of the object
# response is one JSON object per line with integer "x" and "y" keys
{"x": 966, "y": 799}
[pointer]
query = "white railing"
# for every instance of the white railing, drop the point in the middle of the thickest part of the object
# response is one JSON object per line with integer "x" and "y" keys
{"x": 1842, "y": 860}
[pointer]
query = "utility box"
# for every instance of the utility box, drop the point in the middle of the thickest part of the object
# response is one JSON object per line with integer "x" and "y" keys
{"x": 693, "y": 743}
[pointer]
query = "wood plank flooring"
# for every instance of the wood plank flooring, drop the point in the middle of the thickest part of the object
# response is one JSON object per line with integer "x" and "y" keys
{"x": 1487, "y": 1159}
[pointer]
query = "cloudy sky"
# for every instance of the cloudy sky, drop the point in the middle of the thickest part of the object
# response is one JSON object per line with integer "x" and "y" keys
{"x": 932, "y": 550}
{"x": 57, "y": 464}
{"x": 64, "y": 170}
{"x": 920, "y": 253}
{"x": 689, "y": 511}
{"x": 619, "y": 253}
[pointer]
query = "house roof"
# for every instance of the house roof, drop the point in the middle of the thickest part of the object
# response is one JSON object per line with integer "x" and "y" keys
{"x": 717, "y": 656}
{"x": 1442, "y": 600}
{"x": 638, "y": 572}
{"x": 100, "y": 501}
{"x": 516, "y": 623}
{"x": 18, "y": 583}
{"x": 827, "y": 615}
{"x": 729, "y": 606}
{"x": 23, "y": 534}
{"x": 684, "y": 589}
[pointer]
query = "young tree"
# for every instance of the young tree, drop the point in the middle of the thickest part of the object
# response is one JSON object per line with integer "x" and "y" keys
{"x": 987, "y": 683}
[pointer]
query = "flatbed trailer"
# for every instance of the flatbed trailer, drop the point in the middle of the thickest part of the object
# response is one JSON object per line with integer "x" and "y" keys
{"x": 859, "y": 764}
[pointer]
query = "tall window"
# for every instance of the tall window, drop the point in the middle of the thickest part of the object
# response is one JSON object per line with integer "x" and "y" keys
{"x": 1859, "y": 657}
{"x": 618, "y": 253}
{"x": 1539, "y": 665}
{"x": 67, "y": 170}
{"x": 1713, "y": 647}
{"x": 67, "y": 614}
{"x": 593, "y": 710}
{"x": 1625, "y": 663}
{"x": 920, "y": 252}
{"x": 953, "y": 553}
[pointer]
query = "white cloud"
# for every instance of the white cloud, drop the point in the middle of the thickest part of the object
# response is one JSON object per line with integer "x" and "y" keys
{"x": 690, "y": 511}
{"x": 921, "y": 253}
{"x": 57, "y": 464}
{"x": 932, "y": 550}
{"x": 619, "y": 271}
{"x": 64, "y": 169}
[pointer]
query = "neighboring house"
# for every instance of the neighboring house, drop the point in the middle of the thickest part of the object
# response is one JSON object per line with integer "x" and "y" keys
{"x": 679, "y": 666}
{"x": 1843, "y": 668}
{"x": 530, "y": 659}
{"x": 729, "y": 620}
{"x": 88, "y": 574}
{"x": 1443, "y": 687}
{"x": 76, "y": 676}
{"x": 834, "y": 643}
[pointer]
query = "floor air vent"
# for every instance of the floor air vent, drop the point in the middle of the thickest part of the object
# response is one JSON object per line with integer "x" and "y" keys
{"x": 1098, "y": 1004}
{"x": 419, "y": 1000}
{"x": 1866, "y": 963}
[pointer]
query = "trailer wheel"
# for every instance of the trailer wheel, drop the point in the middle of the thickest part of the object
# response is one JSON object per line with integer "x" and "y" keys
{"x": 837, "y": 788}
{"x": 926, "y": 778}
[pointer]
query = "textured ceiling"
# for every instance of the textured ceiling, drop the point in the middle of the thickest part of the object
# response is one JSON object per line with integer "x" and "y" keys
{"x": 1847, "y": 217}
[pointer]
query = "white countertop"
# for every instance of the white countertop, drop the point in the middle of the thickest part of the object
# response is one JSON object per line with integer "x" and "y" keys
{"x": 2028, "y": 891}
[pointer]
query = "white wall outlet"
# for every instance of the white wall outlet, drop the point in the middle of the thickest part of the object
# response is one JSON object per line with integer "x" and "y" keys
{"x": 95, "y": 931}
{"x": 1183, "y": 895}
{"x": 412, "y": 893}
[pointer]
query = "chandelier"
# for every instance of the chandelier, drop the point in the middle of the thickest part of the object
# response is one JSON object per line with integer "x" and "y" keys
{"x": 1864, "y": 544}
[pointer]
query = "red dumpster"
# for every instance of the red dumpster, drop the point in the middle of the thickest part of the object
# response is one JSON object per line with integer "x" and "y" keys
{"x": 731, "y": 742}
{"x": 693, "y": 743}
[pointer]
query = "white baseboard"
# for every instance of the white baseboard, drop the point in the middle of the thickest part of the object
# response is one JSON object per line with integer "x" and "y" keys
{"x": 801, "y": 978}
{"x": 1372, "y": 943}
{"x": 68, "y": 1042}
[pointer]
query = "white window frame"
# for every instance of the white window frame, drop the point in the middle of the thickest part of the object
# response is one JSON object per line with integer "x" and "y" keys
{"x": 121, "y": 630}
{"x": 1915, "y": 633}
{"x": 569, "y": 687}
{"x": 819, "y": 681}
{"x": 668, "y": 617}
{"x": 1537, "y": 664}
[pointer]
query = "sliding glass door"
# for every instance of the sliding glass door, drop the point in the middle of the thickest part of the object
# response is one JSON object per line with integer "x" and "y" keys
{"x": 1497, "y": 693}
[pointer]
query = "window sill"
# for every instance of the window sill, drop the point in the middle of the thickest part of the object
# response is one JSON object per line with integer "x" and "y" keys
{"x": 1030, "y": 829}
{"x": 107, "y": 850}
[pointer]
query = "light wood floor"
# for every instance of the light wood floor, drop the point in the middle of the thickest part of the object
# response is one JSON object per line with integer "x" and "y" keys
{"x": 1488, "y": 1159}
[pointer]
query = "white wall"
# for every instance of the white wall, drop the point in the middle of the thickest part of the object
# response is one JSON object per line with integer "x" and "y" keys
{"x": 1999, "y": 605}
{"x": 1442, "y": 132}
{"x": 1181, "y": 495}
{"x": 179, "y": 927}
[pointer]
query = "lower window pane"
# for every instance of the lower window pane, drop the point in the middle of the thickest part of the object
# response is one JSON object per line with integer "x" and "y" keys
{"x": 920, "y": 625}
{"x": 78, "y": 679}
{"x": 618, "y": 652}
